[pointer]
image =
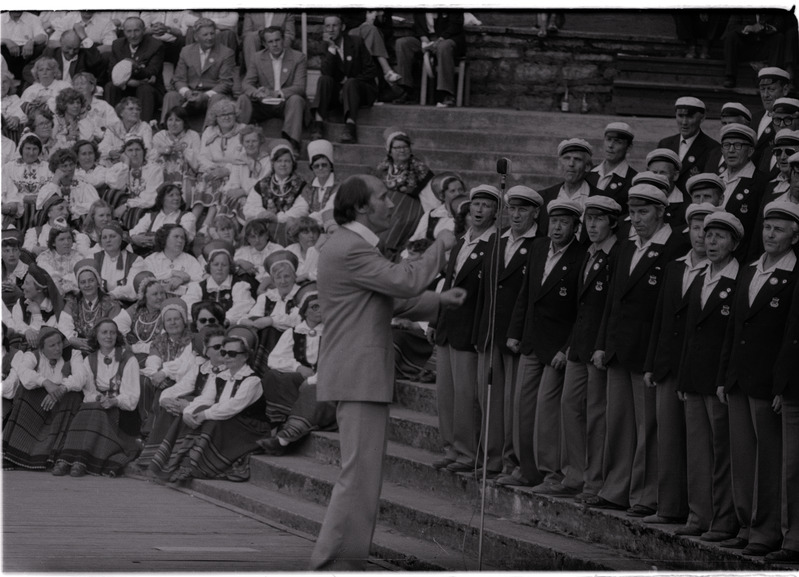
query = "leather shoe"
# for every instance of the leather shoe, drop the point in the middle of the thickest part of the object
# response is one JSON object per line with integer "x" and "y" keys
{"x": 757, "y": 550}
{"x": 556, "y": 490}
{"x": 513, "y": 481}
{"x": 459, "y": 467}
{"x": 734, "y": 543}
{"x": 688, "y": 531}
{"x": 317, "y": 130}
{"x": 350, "y": 134}
{"x": 77, "y": 470}
{"x": 598, "y": 502}
{"x": 442, "y": 463}
{"x": 662, "y": 520}
{"x": 478, "y": 474}
{"x": 640, "y": 511}
{"x": 716, "y": 536}
{"x": 583, "y": 497}
{"x": 783, "y": 556}
{"x": 271, "y": 446}
{"x": 61, "y": 468}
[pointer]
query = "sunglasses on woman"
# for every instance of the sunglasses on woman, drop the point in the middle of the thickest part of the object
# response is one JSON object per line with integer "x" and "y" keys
{"x": 207, "y": 320}
{"x": 229, "y": 353}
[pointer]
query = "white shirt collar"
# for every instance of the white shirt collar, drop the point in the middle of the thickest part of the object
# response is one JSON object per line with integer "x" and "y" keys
{"x": 786, "y": 263}
{"x": 746, "y": 172}
{"x": 328, "y": 183}
{"x": 620, "y": 169}
{"x": 604, "y": 246}
{"x": 529, "y": 233}
{"x": 212, "y": 284}
{"x": 362, "y": 231}
{"x": 660, "y": 237}
{"x": 467, "y": 238}
{"x": 304, "y": 329}
{"x": 730, "y": 271}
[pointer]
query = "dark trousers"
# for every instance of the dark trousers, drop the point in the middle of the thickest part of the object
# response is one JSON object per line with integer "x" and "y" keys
{"x": 16, "y": 64}
{"x": 353, "y": 94}
{"x": 748, "y": 47}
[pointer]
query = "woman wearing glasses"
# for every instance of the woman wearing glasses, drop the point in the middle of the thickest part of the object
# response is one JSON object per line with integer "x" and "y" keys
{"x": 221, "y": 426}
{"x": 323, "y": 188}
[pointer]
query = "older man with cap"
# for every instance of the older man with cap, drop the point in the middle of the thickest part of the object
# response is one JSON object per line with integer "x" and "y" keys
{"x": 759, "y": 312}
{"x": 666, "y": 162}
{"x": 540, "y": 328}
{"x": 614, "y": 176}
{"x": 710, "y": 509}
{"x": 706, "y": 187}
{"x": 356, "y": 364}
{"x": 744, "y": 183}
{"x": 784, "y": 116}
{"x": 499, "y": 287}
{"x": 574, "y": 162}
{"x": 630, "y": 460}
{"x": 203, "y": 74}
{"x": 582, "y": 404}
{"x": 773, "y": 83}
{"x": 735, "y": 113}
{"x": 696, "y": 151}
{"x": 662, "y": 368}
{"x": 456, "y": 356}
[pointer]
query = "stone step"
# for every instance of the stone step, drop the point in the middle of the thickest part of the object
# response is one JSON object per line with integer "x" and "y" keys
{"x": 506, "y": 544}
{"x": 680, "y": 71}
{"x": 657, "y": 98}
{"x": 414, "y": 429}
{"x": 401, "y": 551}
{"x": 419, "y": 397}
{"x": 656, "y": 544}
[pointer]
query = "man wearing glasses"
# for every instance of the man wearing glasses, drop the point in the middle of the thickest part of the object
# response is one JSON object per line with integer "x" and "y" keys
{"x": 784, "y": 115}
{"x": 772, "y": 83}
{"x": 744, "y": 183}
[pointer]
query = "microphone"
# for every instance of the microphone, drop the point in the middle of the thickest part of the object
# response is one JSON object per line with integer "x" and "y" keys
{"x": 503, "y": 168}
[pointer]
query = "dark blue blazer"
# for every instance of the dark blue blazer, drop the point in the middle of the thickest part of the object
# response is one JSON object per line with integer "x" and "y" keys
{"x": 702, "y": 156}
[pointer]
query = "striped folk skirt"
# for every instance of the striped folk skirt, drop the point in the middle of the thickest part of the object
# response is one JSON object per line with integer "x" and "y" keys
{"x": 33, "y": 437}
{"x": 118, "y": 197}
{"x": 102, "y": 439}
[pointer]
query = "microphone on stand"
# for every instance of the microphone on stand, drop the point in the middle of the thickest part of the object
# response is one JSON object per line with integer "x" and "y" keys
{"x": 503, "y": 168}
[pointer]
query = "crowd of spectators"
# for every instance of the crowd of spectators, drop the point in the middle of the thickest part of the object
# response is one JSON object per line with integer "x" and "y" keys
{"x": 160, "y": 307}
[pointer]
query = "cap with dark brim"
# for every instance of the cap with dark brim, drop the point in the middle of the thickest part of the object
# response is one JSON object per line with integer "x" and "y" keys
{"x": 560, "y": 207}
{"x": 781, "y": 209}
{"x": 647, "y": 194}
{"x": 690, "y": 103}
{"x": 603, "y": 204}
{"x": 736, "y": 109}
{"x": 726, "y": 221}
{"x": 485, "y": 191}
{"x": 704, "y": 180}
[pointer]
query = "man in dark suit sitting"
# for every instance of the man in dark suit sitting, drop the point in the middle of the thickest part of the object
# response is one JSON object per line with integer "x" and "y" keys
{"x": 697, "y": 151}
{"x": 347, "y": 70}
{"x": 147, "y": 55}
{"x": 72, "y": 58}
{"x": 204, "y": 73}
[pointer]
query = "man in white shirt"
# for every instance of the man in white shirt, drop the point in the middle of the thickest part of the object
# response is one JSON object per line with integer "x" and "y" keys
{"x": 614, "y": 175}
{"x": 23, "y": 39}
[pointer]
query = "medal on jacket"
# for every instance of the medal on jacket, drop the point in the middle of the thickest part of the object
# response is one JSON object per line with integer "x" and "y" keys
{"x": 775, "y": 302}
{"x": 563, "y": 291}
{"x": 653, "y": 279}
{"x": 725, "y": 310}
{"x": 599, "y": 286}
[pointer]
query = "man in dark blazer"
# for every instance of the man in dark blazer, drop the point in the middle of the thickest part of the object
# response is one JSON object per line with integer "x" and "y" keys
{"x": 456, "y": 356}
{"x": 440, "y": 33}
{"x": 746, "y": 381}
{"x": 204, "y": 72}
{"x": 72, "y": 58}
{"x": 285, "y": 96}
{"x": 348, "y": 75}
{"x": 773, "y": 83}
{"x": 784, "y": 116}
{"x": 662, "y": 368}
{"x": 540, "y": 329}
{"x": 630, "y": 466}
{"x": 614, "y": 175}
{"x": 696, "y": 150}
{"x": 147, "y": 56}
{"x": 582, "y": 404}
{"x": 356, "y": 358}
{"x": 500, "y": 285}
{"x": 666, "y": 162}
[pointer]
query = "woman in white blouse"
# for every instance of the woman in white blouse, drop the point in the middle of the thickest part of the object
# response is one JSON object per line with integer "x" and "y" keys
{"x": 176, "y": 148}
{"x": 130, "y": 124}
{"x": 79, "y": 194}
{"x": 220, "y": 144}
{"x": 102, "y": 437}
{"x": 41, "y": 305}
{"x": 88, "y": 169}
{"x": 45, "y": 88}
{"x": 133, "y": 182}
{"x": 222, "y": 425}
{"x": 257, "y": 246}
{"x": 45, "y": 403}
{"x": 169, "y": 263}
{"x": 255, "y": 165}
{"x": 118, "y": 267}
{"x": 98, "y": 111}
{"x": 61, "y": 257}
{"x": 305, "y": 232}
{"x": 70, "y": 122}
{"x": 169, "y": 208}
{"x": 29, "y": 173}
{"x": 55, "y": 210}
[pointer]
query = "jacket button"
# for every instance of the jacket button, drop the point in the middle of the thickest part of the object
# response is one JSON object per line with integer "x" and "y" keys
{"x": 743, "y": 342}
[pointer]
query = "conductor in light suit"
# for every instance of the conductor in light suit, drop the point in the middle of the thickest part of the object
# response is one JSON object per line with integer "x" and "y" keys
{"x": 360, "y": 291}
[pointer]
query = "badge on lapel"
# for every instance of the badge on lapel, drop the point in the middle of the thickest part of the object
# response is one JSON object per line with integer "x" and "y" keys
{"x": 349, "y": 58}
{"x": 725, "y": 310}
{"x": 691, "y": 158}
{"x": 614, "y": 185}
{"x": 285, "y": 71}
{"x": 694, "y": 170}
{"x": 598, "y": 287}
{"x": 775, "y": 302}
{"x": 746, "y": 191}
{"x": 522, "y": 250}
{"x": 772, "y": 281}
{"x": 473, "y": 256}
{"x": 652, "y": 254}
{"x": 744, "y": 209}
{"x": 653, "y": 279}
{"x": 563, "y": 292}
{"x": 524, "y": 270}
{"x": 739, "y": 196}
{"x": 596, "y": 266}
{"x": 724, "y": 294}
{"x": 767, "y": 130}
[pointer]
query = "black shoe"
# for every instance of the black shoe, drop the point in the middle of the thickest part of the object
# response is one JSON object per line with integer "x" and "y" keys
{"x": 442, "y": 463}
{"x": 783, "y": 556}
{"x": 460, "y": 468}
{"x": 350, "y": 134}
{"x": 640, "y": 511}
{"x": 689, "y": 531}
{"x": 598, "y": 502}
{"x": 272, "y": 446}
{"x": 317, "y": 130}
{"x": 734, "y": 543}
{"x": 716, "y": 536}
{"x": 405, "y": 97}
{"x": 61, "y": 468}
{"x": 757, "y": 550}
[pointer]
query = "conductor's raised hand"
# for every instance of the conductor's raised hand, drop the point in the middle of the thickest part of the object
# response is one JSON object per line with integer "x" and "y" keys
{"x": 448, "y": 238}
{"x": 453, "y": 298}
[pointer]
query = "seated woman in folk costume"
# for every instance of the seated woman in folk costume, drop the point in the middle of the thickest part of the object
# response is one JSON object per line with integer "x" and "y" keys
{"x": 305, "y": 232}
{"x": 101, "y": 439}
{"x": 29, "y": 173}
{"x": 41, "y": 305}
{"x": 82, "y": 312}
{"x": 280, "y": 197}
{"x": 168, "y": 419}
{"x": 44, "y": 405}
{"x": 256, "y": 246}
{"x": 118, "y": 267}
{"x": 99, "y": 215}
{"x": 254, "y": 166}
{"x": 88, "y": 169}
{"x": 70, "y": 123}
{"x": 176, "y": 148}
{"x": 221, "y": 426}
{"x": 232, "y": 290}
{"x": 322, "y": 192}
{"x": 61, "y": 257}
{"x": 14, "y": 269}
{"x": 169, "y": 208}
{"x": 55, "y": 210}
{"x": 80, "y": 195}
{"x": 170, "y": 263}
{"x": 127, "y": 125}
{"x": 171, "y": 357}
{"x": 290, "y": 382}
{"x": 275, "y": 310}
{"x": 133, "y": 183}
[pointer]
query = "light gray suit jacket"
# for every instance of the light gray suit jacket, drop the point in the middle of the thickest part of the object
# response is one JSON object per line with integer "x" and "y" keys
{"x": 357, "y": 290}
{"x": 293, "y": 76}
{"x": 216, "y": 75}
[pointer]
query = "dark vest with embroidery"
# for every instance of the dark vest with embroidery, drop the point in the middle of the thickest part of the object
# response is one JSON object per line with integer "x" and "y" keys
{"x": 99, "y": 258}
{"x": 255, "y": 411}
{"x": 432, "y": 221}
{"x": 66, "y": 369}
{"x": 122, "y": 357}
{"x": 300, "y": 350}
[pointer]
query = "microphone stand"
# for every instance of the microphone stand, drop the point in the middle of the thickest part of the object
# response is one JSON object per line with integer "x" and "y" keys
{"x": 503, "y": 167}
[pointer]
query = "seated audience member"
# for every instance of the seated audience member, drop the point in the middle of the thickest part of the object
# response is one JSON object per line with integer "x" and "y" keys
{"x": 45, "y": 87}
{"x": 711, "y": 511}
{"x": 448, "y": 188}
{"x": 88, "y": 170}
{"x": 133, "y": 183}
{"x": 73, "y": 58}
{"x": 40, "y": 123}
{"x": 137, "y": 61}
{"x": 53, "y": 214}
{"x": 222, "y": 425}
{"x": 45, "y": 403}
{"x": 614, "y": 175}
{"x": 226, "y": 25}
{"x": 61, "y": 256}
{"x": 99, "y": 215}
{"x": 128, "y": 124}
{"x": 699, "y": 30}
{"x": 441, "y": 34}
{"x": 290, "y": 382}
{"x": 29, "y": 173}
{"x": 79, "y": 194}
{"x": 274, "y": 87}
{"x": 170, "y": 27}
{"x": 204, "y": 72}
{"x": 257, "y": 246}
{"x": 13, "y": 116}
{"x": 278, "y": 198}
{"x": 13, "y": 269}
{"x": 735, "y": 113}
{"x": 169, "y": 262}
{"x": 98, "y": 111}
{"x": 224, "y": 285}
{"x": 773, "y": 84}
{"x": 348, "y": 77}
{"x": 255, "y": 166}
{"x": 220, "y": 144}
{"x": 753, "y": 36}
{"x": 169, "y": 208}
{"x": 94, "y": 29}
{"x": 376, "y": 29}
{"x": 177, "y": 147}
{"x": 41, "y": 305}
{"x": 255, "y": 22}
{"x": 141, "y": 322}
{"x": 405, "y": 177}
{"x": 305, "y": 231}
{"x": 322, "y": 192}
{"x": 91, "y": 303}
{"x": 118, "y": 267}
{"x": 696, "y": 150}
{"x": 101, "y": 439}
{"x": 23, "y": 39}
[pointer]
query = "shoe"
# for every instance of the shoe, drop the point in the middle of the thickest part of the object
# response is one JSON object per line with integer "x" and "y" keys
{"x": 598, "y": 502}
{"x": 734, "y": 543}
{"x": 716, "y": 536}
{"x": 317, "y": 130}
{"x": 556, "y": 490}
{"x": 663, "y": 520}
{"x": 513, "y": 481}
{"x": 350, "y": 134}
{"x": 271, "y": 446}
{"x": 583, "y": 497}
{"x": 77, "y": 470}
{"x": 392, "y": 77}
{"x": 478, "y": 474}
{"x": 60, "y": 469}
{"x": 447, "y": 102}
{"x": 404, "y": 97}
{"x": 757, "y": 550}
{"x": 729, "y": 82}
{"x": 783, "y": 556}
{"x": 689, "y": 531}
{"x": 442, "y": 463}
{"x": 456, "y": 467}
{"x": 181, "y": 475}
{"x": 640, "y": 511}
